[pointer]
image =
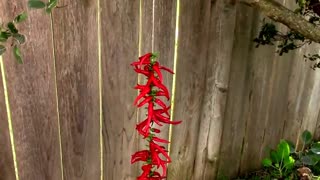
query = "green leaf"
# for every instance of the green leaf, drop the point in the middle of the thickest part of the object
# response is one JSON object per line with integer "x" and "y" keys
{"x": 21, "y": 17}
{"x": 315, "y": 148}
{"x": 2, "y": 49}
{"x": 17, "y": 54}
{"x": 283, "y": 149}
{"x": 50, "y": 5}
{"x": 289, "y": 162}
{"x": 309, "y": 160}
{"x": 4, "y": 36}
{"x": 36, "y": 4}
{"x": 292, "y": 146}
{"x": 306, "y": 137}
{"x": 274, "y": 156}
{"x": 20, "y": 38}
{"x": 12, "y": 27}
{"x": 267, "y": 162}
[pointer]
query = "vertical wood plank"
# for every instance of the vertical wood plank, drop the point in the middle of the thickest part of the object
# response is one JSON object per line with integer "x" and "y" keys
{"x": 223, "y": 16}
{"x": 234, "y": 127}
{"x": 311, "y": 94}
{"x": 260, "y": 87}
{"x": 76, "y": 49}
{"x": 32, "y": 97}
{"x": 298, "y": 97}
{"x": 190, "y": 83}
{"x": 302, "y": 106}
{"x": 120, "y": 42}
{"x": 6, "y": 156}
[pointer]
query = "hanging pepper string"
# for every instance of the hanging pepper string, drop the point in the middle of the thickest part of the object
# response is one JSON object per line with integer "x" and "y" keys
{"x": 156, "y": 156}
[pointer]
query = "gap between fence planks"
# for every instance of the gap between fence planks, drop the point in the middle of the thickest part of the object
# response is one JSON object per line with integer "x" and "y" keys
{"x": 6, "y": 151}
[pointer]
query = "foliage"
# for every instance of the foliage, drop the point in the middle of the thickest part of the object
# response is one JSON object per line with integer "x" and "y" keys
{"x": 290, "y": 40}
{"x": 290, "y": 162}
{"x": 38, "y": 4}
{"x": 280, "y": 161}
{"x": 10, "y": 32}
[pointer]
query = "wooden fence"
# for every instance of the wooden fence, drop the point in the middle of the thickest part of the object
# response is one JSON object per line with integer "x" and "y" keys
{"x": 67, "y": 113}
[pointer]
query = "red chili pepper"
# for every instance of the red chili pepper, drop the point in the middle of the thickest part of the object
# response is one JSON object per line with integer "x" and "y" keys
{"x": 140, "y": 156}
{"x": 160, "y": 103}
{"x": 141, "y": 95}
{"x": 167, "y": 69}
{"x": 161, "y": 93}
{"x": 156, "y": 156}
{"x": 146, "y": 100}
{"x": 156, "y": 68}
{"x": 146, "y": 73}
{"x": 159, "y": 85}
{"x": 160, "y": 140}
{"x": 145, "y": 58}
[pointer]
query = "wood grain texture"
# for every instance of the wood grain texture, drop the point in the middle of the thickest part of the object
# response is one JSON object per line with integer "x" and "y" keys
{"x": 268, "y": 95}
{"x": 294, "y": 110}
{"x": 32, "y": 95}
{"x": 120, "y": 42}
{"x": 76, "y": 49}
{"x": 311, "y": 94}
{"x": 6, "y": 156}
{"x": 260, "y": 89}
{"x": 302, "y": 109}
{"x": 238, "y": 102}
{"x": 190, "y": 83}
{"x": 217, "y": 80}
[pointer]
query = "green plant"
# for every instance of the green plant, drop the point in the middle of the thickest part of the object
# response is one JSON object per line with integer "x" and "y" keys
{"x": 280, "y": 161}
{"x": 10, "y": 31}
{"x": 38, "y": 4}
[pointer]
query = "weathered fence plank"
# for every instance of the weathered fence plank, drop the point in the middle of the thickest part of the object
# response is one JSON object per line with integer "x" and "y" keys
{"x": 301, "y": 102}
{"x": 238, "y": 94}
{"x": 217, "y": 79}
{"x": 32, "y": 97}
{"x": 120, "y": 42}
{"x": 190, "y": 83}
{"x": 76, "y": 58}
{"x": 6, "y": 156}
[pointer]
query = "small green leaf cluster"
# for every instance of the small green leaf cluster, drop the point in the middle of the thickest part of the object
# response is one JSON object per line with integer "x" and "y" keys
{"x": 38, "y": 4}
{"x": 280, "y": 161}
{"x": 288, "y": 41}
{"x": 309, "y": 155}
{"x": 283, "y": 162}
{"x": 10, "y": 31}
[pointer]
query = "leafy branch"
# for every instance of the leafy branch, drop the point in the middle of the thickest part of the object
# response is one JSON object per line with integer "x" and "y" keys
{"x": 38, "y": 4}
{"x": 291, "y": 40}
{"x": 11, "y": 32}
